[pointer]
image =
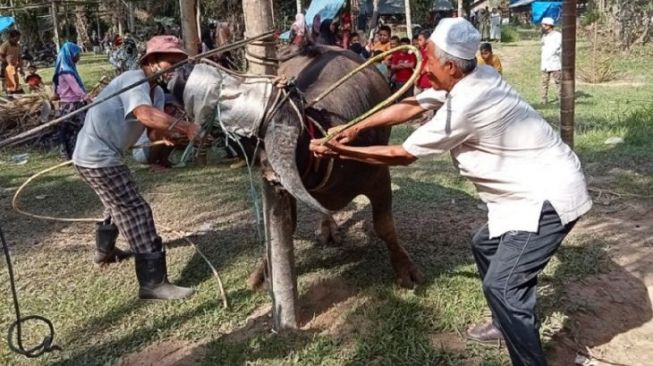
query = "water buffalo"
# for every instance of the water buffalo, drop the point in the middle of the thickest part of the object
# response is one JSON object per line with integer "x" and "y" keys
{"x": 256, "y": 108}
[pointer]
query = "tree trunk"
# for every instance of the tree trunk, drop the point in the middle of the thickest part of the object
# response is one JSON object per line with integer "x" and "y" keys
{"x": 278, "y": 206}
{"x": 82, "y": 27}
{"x": 189, "y": 32}
{"x": 567, "y": 87}
{"x": 258, "y": 19}
{"x": 55, "y": 24}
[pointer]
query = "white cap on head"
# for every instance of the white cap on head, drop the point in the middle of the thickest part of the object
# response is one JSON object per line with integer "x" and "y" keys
{"x": 548, "y": 21}
{"x": 457, "y": 37}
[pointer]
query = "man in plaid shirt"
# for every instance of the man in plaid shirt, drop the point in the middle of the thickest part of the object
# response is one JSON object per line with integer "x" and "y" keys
{"x": 110, "y": 129}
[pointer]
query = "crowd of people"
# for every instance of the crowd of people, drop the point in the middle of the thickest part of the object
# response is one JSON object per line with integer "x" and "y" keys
{"x": 397, "y": 68}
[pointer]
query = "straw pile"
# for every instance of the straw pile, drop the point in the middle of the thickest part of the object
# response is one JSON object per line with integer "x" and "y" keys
{"x": 23, "y": 112}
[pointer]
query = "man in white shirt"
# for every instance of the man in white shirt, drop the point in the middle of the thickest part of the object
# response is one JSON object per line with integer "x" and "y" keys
{"x": 551, "y": 50}
{"x": 530, "y": 180}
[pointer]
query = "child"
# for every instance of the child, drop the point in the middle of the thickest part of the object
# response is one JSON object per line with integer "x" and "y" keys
{"x": 383, "y": 43}
{"x": 33, "y": 79}
{"x": 423, "y": 81}
{"x": 12, "y": 82}
{"x": 357, "y": 47}
{"x": 486, "y": 57}
{"x": 402, "y": 64}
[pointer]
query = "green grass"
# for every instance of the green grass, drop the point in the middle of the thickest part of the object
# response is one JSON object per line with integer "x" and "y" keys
{"x": 98, "y": 320}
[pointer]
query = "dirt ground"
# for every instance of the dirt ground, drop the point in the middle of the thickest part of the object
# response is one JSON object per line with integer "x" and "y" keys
{"x": 612, "y": 323}
{"x": 616, "y": 326}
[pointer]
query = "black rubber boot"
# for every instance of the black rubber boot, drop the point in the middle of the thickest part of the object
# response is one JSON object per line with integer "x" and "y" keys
{"x": 106, "y": 252}
{"x": 152, "y": 276}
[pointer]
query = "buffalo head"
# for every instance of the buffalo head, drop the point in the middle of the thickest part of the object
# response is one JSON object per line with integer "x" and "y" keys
{"x": 239, "y": 106}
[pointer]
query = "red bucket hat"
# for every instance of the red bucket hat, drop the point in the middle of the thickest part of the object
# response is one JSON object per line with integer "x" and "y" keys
{"x": 163, "y": 44}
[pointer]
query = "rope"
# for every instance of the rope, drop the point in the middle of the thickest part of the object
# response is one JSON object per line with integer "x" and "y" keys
{"x": 14, "y": 205}
{"x": 46, "y": 344}
{"x": 27, "y": 134}
{"x": 384, "y": 103}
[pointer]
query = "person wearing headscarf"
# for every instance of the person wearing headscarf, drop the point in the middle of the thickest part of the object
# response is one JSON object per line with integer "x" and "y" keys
{"x": 298, "y": 30}
{"x": 69, "y": 88}
{"x": 315, "y": 31}
{"x": 327, "y": 36}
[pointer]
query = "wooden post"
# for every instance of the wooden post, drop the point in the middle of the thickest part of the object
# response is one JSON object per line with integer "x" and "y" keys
{"x": 460, "y": 8}
{"x": 277, "y": 207}
{"x": 189, "y": 26}
{"x": 13, "y": 13}
{"x": 55, "y": 23}
{"x": 568, "y": 77}
{"x": 409, "y": 21}
{"x": 258, "y": 19}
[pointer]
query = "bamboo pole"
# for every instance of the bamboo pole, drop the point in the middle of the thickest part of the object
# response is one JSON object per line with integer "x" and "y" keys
{"x": 409, "y": 20}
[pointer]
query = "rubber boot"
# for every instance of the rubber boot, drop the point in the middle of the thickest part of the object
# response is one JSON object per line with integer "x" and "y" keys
{"x": 152, "y": 275}
{"x": 106, "y": 252}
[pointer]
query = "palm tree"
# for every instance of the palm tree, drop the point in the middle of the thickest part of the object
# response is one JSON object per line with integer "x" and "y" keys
{"x": 567, "y": 87}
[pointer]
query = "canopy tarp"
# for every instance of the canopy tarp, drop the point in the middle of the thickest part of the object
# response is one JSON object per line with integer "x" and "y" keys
{"x": 442, "y": 5}
{"x": 541, "y": 9}
{"x": 328, "y": 9}
{"x": 386, "y": 7}
{"x": 6, "y": 22}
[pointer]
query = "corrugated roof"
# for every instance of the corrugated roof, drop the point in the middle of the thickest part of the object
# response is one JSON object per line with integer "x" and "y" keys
{"x": 521, "y": 3}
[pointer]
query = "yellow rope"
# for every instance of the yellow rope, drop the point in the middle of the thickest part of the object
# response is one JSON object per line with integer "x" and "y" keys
{"x": 384, "y": 103}
{"x": 14, "y": 205}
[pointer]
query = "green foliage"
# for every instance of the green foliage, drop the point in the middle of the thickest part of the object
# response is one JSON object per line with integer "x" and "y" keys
{"x": 509, "y": 34}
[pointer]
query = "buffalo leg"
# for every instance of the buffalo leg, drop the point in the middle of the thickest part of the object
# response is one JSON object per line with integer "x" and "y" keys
{"x": 381, "y": 199}
{"x": 327, "y": 231}
{"x": 278, "y": 211}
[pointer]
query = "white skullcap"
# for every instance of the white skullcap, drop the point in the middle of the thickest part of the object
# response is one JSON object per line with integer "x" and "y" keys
{"x": 457, "y": 37}
{"x": 548, "y": 21}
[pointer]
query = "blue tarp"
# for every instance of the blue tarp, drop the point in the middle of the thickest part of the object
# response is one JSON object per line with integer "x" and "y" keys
{"x": 6, "y": 22}
{"x": 541, "y": 9}
{"x": 328, "y": 9}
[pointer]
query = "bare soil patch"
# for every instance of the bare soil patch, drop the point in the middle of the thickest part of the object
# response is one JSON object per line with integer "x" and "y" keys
{"x": 167, "y": 353}
{"x": 614, "y": 320}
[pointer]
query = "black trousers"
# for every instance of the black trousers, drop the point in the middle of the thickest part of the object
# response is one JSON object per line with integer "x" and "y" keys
{"x": 509, "y": 266}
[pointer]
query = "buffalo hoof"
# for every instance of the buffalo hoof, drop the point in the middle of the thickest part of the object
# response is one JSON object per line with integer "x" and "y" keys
{"x": 256, "y": 280}
{"x": 327, "y": 232}
{"x": 408, "y": 276}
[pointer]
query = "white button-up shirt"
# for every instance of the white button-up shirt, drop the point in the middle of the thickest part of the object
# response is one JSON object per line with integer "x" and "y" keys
{"x": 506, "y": 149}
{"x": 551, "y": 50}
